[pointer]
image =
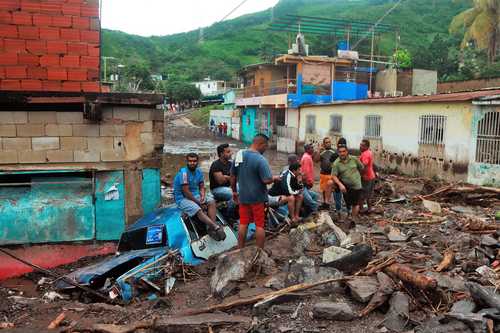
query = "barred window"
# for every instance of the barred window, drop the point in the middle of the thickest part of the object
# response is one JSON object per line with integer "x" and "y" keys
{"x": 336, "y": 124}
{"x": 432, "y": 129}
{"x": 310, "y": 124}
{"x": 488, "y": 139}
{"x": 372, "y": 126}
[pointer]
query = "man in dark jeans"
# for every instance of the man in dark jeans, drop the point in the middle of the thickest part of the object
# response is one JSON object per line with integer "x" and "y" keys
{"x": 220, "y": 174}
{"x": 252, "y": 173}
{"x": 346, "y": 173}
{"x": 290, "y": 188}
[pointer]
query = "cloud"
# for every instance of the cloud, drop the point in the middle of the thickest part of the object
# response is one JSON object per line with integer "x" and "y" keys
{"x": 166, "y": 17}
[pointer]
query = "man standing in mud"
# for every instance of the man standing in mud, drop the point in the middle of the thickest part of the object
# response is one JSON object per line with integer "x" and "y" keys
{"x": 191, "y": 197}
{"x": 368, "y": 176}
{"x": 346, "y": 174}
{"x": 252, "y": 173}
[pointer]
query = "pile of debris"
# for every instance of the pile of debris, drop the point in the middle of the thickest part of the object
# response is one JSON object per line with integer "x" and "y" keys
{"x": 427, "y": 260}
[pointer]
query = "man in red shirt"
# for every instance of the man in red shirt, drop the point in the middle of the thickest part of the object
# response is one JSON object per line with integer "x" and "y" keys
{"x": 368, "y": 175}
{"x": 307, "y": 169}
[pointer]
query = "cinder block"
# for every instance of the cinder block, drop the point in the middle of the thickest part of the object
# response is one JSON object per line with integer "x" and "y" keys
{"x": 107, "y": 113}
{"x": 58, "y": 130}
{"x": 158, "y": 115}
{"x": 32, "y": 156}
{"x": 145, "y": 114}
{"x": 16, "y": 143}
{"x": 101, "y": 143}
{"x": 87, "y": 130}
{"x": 112, "y": 130}
{"x": 118, "y": 143}
{"x": 70, "y": 117}
{"x": 112, "y": 155}
{"x": 147, "y": 139}
{"x": 30, "y": 130}
{"x": 45, "y": 143}
{"x": 86, "y": 156}
{"x": 127, "y": 114}
{"x": 8, "y": 157}
{"x": 12, "y": 117}
{"x": 147, "y": 127}
{"x": 8, "y": 130}
{"x": 60, "y": 156}
{"x": 73, "y": 143}
{"x": 42, "y": 117}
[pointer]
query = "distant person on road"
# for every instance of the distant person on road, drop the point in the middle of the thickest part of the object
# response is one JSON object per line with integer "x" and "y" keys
{"x": 368, "y": 176}
{"x": 346, "y": 173}
{"x": 224, "y": 128}
{"x": 307, "y": 169}
{"x": 252, "y": 173}
{"x": 220, "y": 174}
{"x": 191, "y": 198}
{"x": 212, "y": 125}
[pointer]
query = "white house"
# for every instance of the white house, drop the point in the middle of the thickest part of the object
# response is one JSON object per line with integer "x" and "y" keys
{"x": 451, "y": 136}
{"x": 210, "y": 87}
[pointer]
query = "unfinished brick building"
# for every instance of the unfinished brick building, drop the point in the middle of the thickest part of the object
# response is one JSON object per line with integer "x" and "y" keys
{"x": 49, "y": 45}
{"x": 76, "y": 164}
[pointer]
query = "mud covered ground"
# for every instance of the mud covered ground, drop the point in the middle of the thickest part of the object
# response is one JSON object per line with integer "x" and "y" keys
{"x": 26, "y": 302}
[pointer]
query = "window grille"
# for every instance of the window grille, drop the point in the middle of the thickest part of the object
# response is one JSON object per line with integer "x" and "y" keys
{"x": 431, "y": 129}
{"x": 336, "y": 124}
{"x": 372, "y": 126}
{"x": 310, "y": 124}
{"x": 488, "y": 139}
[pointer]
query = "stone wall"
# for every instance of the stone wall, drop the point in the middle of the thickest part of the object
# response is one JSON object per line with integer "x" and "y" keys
{"x": 125, "y": 133}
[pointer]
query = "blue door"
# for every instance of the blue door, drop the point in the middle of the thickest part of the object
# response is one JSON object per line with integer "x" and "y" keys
{"x": 248, "y": 130}
{"x": 151, "y": 190}
{"x": 46, "y": 207}
{"x": 110, "y": 205}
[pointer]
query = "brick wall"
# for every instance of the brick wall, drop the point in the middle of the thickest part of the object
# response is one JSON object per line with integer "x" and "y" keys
{"x": 45, "y": 137}
{"x": 49, "y": 45}
{"x": 470, "y": 85}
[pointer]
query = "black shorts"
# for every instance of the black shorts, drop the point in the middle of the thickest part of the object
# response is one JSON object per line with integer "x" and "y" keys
{"x": 368, "y": 186}
{"x": 352, "y": 197}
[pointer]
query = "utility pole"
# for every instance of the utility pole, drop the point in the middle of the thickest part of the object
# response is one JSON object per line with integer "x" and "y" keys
{"x": 201, "y": 37}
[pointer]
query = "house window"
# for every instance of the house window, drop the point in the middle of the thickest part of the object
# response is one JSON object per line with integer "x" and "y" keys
{"x": 488, "y": 139}
{"x": 310, "y": 124}
{"x": 336, "y": 124}
{"x": 372, "y": 126}
{"x": 431, "y": 129}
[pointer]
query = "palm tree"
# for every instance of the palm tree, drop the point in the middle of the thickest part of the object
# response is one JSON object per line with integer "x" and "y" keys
{"x": 480, "y": 24}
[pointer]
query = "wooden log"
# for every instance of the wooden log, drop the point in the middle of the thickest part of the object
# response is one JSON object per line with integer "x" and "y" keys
{"x": 56, "y": 322}
{"x": 255, "y": 299}
{"x": 448, "y": 258}
{"x": 406, "y": 274}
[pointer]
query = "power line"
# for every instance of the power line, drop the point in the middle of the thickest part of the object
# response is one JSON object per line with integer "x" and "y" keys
{"x": 377, "y": 23}
{"x": 202, "y": 32}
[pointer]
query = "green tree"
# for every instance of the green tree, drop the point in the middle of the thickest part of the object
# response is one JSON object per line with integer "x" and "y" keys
{"x": 479, "y": 24}
{"x": 181, "y": 91}
{"x": 136, "y": 78}
{"x": 402, "y": 58}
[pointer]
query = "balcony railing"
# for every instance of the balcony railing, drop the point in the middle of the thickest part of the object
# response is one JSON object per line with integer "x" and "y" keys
{"x": 268, "y": 88}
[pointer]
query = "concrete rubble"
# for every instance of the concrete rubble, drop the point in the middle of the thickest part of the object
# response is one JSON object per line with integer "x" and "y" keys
{"x": 406, "y": 268}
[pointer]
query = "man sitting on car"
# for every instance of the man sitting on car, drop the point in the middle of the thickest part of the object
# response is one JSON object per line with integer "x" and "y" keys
{"x": 191, "y": 198}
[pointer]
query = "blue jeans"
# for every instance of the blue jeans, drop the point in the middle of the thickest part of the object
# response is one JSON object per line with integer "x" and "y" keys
{"x": 222, "y": 193}
{"x": 337, "y": 196}
{"x": 311, "y": 199}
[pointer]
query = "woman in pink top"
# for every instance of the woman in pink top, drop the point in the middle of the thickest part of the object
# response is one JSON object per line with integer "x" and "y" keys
{"x": 368, "y": 175}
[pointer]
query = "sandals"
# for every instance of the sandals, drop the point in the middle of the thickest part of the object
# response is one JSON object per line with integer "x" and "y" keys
{"x": 217, "y": 234}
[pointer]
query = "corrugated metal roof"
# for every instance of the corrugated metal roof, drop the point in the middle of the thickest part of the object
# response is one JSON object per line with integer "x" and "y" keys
{"x": 453, "y": 97}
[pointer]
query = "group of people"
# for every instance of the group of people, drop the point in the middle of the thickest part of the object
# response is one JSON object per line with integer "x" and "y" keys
{"x": 244, "y": 181}
{"x": 219, "y": 129}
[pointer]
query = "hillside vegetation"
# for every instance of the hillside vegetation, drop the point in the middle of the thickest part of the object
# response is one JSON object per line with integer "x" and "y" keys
{"x": 229, "y": 45}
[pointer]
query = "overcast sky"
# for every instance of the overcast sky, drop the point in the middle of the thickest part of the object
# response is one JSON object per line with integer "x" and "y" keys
{"x": 166, "y": 17}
